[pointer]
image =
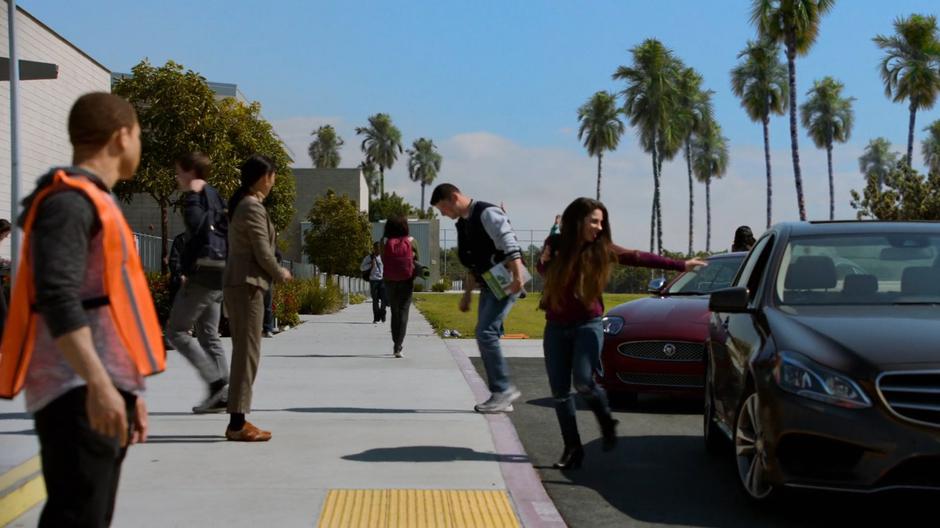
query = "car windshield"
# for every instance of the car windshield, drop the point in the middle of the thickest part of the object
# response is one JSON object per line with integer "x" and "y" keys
{"x": 718, "y": 274}
{"x": 896, "y": 268}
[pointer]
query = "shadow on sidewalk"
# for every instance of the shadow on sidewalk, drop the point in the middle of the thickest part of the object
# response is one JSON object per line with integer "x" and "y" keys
{"x": 185, "y": 439}
{"x": 432, "y": 454}
{"x": 365, "y": 410}
{"x": 24, "y": 432}
{"x": 652, "y": 404}
{"x": 377, "y": 356}
{"x": 15, "y": 416}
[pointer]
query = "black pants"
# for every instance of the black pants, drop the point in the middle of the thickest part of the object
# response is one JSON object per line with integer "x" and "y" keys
{"x": 399, "y": 301}
{"x": 379, "y": 300}
{"x": 267, "y": 324}
{"x": 81, "y": 467}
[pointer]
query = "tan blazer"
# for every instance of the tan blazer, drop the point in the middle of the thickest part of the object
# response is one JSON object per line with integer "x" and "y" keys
{"x": 251, "y": 238}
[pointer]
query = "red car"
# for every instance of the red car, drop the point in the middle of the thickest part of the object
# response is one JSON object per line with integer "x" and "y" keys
{"x": 657, "y": 344}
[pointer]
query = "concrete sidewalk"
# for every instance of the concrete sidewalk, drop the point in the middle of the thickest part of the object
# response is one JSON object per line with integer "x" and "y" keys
{"x": 345, "y": 415}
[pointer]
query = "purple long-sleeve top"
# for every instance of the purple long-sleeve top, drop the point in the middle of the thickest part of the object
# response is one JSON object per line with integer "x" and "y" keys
{"x": 573, "y": 310}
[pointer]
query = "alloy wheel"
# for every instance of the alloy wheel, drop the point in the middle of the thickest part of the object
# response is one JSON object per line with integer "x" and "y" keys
{"x": 750, "y": 450}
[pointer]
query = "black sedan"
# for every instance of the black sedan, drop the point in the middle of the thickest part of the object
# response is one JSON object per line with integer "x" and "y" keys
{"x": 823, "y": 359}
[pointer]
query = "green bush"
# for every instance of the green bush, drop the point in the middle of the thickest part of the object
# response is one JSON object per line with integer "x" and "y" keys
{"x": 357, "y": 298}
{"x": 321, "y": 297}
{"x": 442, "y": 285}
{"x": 287, "y": 301}
{"x": 160, "y": 290}
{"x": 419, "y": 286}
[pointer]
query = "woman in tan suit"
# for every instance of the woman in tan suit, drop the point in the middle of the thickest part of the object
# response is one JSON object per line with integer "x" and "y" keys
{"x": 249, "y": 272}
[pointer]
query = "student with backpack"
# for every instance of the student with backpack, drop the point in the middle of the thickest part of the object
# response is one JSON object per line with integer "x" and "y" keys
{"x": 198, "y": 304}
{"x": 398, "y": 255}
{"x": 373, "y": 271}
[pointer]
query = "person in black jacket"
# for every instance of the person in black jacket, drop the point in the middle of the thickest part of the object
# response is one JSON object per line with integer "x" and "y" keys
{"x": 198, "y": 304}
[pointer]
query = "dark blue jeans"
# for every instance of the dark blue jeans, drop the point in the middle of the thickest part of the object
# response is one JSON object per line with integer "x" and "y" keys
{"x": 573, "y": 351}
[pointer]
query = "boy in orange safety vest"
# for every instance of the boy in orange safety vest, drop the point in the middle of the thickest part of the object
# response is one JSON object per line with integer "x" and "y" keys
{"x": 82, "y": 329}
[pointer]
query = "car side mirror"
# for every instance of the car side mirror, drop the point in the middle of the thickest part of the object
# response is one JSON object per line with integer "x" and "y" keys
{"x": 656, "y": 285}
{"x": 729, "y": 300}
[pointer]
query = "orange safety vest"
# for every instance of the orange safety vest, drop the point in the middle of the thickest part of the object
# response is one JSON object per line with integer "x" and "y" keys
{"x": 126, "y": 293}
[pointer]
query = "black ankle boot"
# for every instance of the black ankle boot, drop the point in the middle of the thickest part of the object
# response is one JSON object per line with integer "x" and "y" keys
{"x": 570, "y": 459}
{"x": 609, "y": 434}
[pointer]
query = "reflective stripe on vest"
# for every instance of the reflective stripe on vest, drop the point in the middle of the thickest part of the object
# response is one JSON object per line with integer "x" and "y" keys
{"x": 129, "y": 303}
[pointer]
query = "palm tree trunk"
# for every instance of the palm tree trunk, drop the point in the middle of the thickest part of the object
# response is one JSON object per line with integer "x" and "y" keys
{"x": 708, "y": 215}
{"x": 657, "y": 195}
{"x": 422, "y": 197}
{"x": 381, "y": 182}
{"x": 688, "y": 162}
{"x": 599, "y": 156}
{"x": 910, "y": 134}
{"x": 794, "y": 144}
{"x": 164, "y": 239}
{"x": 832, "y": 188}
{"x": 766, "y": 122}
{"x": 653, "y": 214}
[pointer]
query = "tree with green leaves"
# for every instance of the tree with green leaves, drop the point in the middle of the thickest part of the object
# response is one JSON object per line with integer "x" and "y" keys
{"x": 760, "y": 82}
{"x": 600, "y": 128}
{"x": 694, "y": 112}
{"x": 371, "y": 175}
{"x": 649, "y": 102}
{"x": 910, "y": 67}
{"x": 930, "y": 147}
{"x": 248, "y": 134}
{"x": 906, "y": 195}
{"x": 178, "y": 114}
{"x": 339, "y": 235}
{"x": 424, "y": 162}
{"x": 324, "y": 150}
{"x": 795, "y": 24}
{"x": 878, "y": 160}
{"x": 381, "y": 144}
{"x": 710, "y": 162}
{"x": 828, "y": 117}
{"x": 390, "y": 205}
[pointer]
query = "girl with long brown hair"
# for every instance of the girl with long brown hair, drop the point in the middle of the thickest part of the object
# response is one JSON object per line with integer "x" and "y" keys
{"x": 576, "y": 265}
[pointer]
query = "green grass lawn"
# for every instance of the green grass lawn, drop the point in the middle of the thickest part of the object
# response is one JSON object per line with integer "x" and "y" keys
{"x": 525, "y": 318}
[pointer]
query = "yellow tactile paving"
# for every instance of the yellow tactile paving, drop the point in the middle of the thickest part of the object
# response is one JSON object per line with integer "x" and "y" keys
{"x": 410, "y": 508}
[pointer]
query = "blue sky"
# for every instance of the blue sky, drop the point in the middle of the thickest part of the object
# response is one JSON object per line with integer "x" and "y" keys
{"x": 496, "y": 84}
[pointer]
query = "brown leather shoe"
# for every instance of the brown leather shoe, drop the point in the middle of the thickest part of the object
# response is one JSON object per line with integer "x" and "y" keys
{"x": 249, "y": 433}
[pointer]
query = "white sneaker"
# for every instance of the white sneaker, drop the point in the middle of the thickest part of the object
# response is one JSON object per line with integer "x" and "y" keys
{"x": 499, "y": 402}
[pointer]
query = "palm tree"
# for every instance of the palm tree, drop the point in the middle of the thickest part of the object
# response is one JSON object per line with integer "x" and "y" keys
{"x": 695, "y": 110}
{"x": 910, "y": 68}
{"x": 795, "y": 24}
{"x": 423, "y": 164}
{"x": 930, "y": 147}
{"x": 601, "y": 127}
{"x": 878, "y": 160}
{"x": 760, "y": 81}
{"x": 649, "y": 101}
{"x": 828, "y": 117}
{"x": 709, "y": 161}
{"x": 382, "y": 144}
{"x": 324, "y": 150}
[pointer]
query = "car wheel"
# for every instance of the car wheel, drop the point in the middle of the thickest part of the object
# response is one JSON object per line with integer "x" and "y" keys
{"x": 715, "y": 440}
{"x": 750, "y": 450}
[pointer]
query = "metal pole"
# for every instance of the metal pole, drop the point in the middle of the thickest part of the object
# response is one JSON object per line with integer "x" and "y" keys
{"x": 14, "y": 140}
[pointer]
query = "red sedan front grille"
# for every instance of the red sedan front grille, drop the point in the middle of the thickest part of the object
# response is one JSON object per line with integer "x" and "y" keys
{"x": 663, "y": 351}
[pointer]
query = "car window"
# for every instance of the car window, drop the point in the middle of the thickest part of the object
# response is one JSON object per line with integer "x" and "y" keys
{"x": 744, "y": 277}
{"x": 882, "y": 269}
{"x": 718, "y": 274}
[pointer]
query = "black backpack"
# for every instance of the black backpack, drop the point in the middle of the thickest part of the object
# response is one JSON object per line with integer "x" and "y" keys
{"x": 208, "y": 245}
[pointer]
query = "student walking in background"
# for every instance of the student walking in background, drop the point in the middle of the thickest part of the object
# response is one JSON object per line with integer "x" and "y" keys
{"x": 373, "y": 270}
{"x": 251, "y": 269}
{"x": 576, "y": 265}
{"x": 398, "y": 255}
{"x": 197, "y": 305}
{"x": 485, "y": 239}
{"x": 743, "y": 239}
{"x": 83, "y": 330}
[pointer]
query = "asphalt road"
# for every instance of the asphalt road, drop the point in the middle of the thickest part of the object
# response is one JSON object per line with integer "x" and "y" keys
{"x": 660, "y": 474}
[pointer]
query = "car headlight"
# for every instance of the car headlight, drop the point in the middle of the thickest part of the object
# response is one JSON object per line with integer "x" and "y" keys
{"x": 798, "y": 375}
{"x": 612, "y": 325}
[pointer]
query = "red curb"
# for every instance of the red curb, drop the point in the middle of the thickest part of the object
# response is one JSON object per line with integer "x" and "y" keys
{"x": 533, "y": 505}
